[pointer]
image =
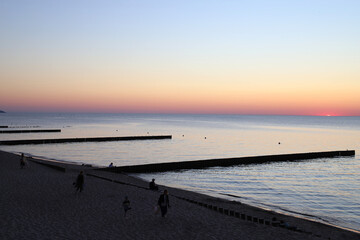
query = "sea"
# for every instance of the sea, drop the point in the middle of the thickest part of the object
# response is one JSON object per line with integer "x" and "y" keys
{"x": 325, "y": 190}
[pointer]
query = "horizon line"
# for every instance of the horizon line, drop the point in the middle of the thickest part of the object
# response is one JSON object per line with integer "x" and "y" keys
{"x": 180, "y": 113}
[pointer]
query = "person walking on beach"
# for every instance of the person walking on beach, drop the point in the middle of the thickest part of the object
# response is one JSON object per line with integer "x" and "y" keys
{"x": 22, "y": 161}
{"x": 79, "y": 184}
{"x": 126, "y": 205}
{"x": 164, "y": 203}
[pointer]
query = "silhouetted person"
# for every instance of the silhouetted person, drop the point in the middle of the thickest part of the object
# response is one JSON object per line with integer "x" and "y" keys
{"x": 152, "y": 185}
{"x": 111, "y": 165}
{"x": 22, "y": 161}
{"x": 79, "y": 184}
{"x": 126, "y": 205}
{"x": 164, "y": 203}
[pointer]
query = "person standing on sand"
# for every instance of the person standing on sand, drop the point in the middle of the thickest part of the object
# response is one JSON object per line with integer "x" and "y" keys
{"x": 79, "y": 184}
{"x": 126, "y": 205}
{"x": 164, "y": 203}
{"x": 22, "y": 161}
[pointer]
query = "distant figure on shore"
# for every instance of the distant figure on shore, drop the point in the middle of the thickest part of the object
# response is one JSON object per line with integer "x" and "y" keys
{"x": 111, "y": 165}
{"x": 79, "y": 184}
{"x": 152, "y": 185}
{"x": 164, "y": 203}
{"x": 126, "y": 205}
{"x": 22, "y": 161}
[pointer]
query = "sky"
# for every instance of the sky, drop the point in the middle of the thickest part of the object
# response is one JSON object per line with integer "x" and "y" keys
{"x": 206, "y": 57}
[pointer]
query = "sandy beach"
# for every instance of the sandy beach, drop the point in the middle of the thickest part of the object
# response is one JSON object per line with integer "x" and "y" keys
{"x": 40, "y": 202}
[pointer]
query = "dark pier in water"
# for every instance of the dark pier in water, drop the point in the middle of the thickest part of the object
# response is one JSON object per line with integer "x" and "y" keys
{"x": 4, "y": 126}
{"x": 225, "y": 162}
{"x": 93, "y": 139}
{"x": 30, "y": 131}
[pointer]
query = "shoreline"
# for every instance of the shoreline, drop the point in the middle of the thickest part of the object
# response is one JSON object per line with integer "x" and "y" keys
{"x": 264, "y": 207}
{"x": 285, "y": 212}
{"x": 309, "y": 229}
{"x": 300, "y": 215}
{"x": 276, "y": 209}
{"x": 280, "y": 211}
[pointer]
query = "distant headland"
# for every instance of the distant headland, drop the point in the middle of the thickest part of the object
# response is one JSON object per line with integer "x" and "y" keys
{"x": 2, "y": 111}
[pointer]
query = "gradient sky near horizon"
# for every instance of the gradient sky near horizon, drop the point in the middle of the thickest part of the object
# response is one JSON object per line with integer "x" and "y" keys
{"x": 231, "y": 57}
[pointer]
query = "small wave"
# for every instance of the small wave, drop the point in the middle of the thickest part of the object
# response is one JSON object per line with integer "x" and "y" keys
{"x": 272, "y": 207}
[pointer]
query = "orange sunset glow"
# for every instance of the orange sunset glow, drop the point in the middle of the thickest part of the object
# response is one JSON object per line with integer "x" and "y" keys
{"x": 109, "y": 59}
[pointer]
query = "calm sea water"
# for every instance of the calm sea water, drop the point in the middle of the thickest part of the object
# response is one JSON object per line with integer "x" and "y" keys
{"x": 326, "y": 190}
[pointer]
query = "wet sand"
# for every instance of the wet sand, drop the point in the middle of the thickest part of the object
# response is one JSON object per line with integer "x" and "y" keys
{"x": 40, "y": 202}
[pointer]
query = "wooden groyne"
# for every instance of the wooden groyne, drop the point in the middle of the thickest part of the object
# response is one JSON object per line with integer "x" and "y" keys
{"x": 4, "y": 126}
{"x": 225, "y": 162}
{"x": 30, "y": 131}
{"x": 94, "y": 139}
